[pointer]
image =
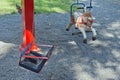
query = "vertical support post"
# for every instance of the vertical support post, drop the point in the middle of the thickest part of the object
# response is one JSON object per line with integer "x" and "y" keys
{"x": 90, "y": 3}
{"x": 28, "y": 25}
{"x": 77, "y": 1}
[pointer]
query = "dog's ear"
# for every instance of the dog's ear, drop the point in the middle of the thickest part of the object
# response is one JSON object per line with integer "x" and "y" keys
{"x": 87, "y": 14}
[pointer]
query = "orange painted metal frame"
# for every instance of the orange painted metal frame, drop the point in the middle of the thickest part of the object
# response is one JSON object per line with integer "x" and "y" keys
{"x": 28, "y": 25}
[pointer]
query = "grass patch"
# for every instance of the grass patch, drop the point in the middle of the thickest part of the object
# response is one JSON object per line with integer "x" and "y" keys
{"x": 41, "y": 6}
{"x": 6, "y": 7}
{"x": 47, "y": 6}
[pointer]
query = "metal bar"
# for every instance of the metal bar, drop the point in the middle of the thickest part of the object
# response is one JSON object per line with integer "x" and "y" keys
{"x": 25, "y": 50}
{"x": 28, "y": 25}
{"x": 71, "y": 7}
{"x": 77, "y": 1}
{"x": 37, "y": 57}
{"x": 90, "y": 3}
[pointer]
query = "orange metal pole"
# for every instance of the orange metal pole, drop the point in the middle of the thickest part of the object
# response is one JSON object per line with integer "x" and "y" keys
{"x": 28, "y": 25}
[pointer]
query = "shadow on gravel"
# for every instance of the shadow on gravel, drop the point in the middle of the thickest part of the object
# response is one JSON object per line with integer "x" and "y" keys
{"x": 72, "y": 60}
{"x": 99, "y": 60}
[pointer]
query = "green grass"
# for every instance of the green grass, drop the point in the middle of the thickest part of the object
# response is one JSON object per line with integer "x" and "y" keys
{"x": 6, "y": 6}
{"x": 41, "y": 6}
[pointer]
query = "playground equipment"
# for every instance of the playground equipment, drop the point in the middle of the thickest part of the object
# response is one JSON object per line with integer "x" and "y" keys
{"x": 32, "y": 58}
{"x": 80, "y": 7}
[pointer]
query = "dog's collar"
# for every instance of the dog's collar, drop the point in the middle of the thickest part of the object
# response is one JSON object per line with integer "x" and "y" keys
{"x": 83, "y": 22}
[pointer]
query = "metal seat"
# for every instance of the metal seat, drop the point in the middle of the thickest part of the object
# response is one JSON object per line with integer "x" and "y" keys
{"x": 34, "y": 61}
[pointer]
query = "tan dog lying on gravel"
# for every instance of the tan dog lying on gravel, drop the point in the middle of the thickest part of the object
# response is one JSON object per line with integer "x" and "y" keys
{"x": 83, "y": 22}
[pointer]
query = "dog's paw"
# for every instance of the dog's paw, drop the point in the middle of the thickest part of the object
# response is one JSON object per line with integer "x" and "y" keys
{"x": 67, "y": 29}
{"x": 76, "y": 28}
{"x": 93, "y": 38}
{"x": 85, "y": 41}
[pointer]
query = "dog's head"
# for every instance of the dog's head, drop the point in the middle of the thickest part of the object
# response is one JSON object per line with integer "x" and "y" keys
{"x": 88, "y": 18}
{"x": 85, "y": 19}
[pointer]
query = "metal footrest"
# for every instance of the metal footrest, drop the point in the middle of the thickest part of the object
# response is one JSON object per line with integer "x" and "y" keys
{"x": 35, "y": 61}
{"x": 80, "y": 7}
{"x": 76, "y": 33}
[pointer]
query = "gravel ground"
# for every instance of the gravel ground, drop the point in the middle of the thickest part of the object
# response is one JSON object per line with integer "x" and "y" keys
{"x": 71, "y": 60}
